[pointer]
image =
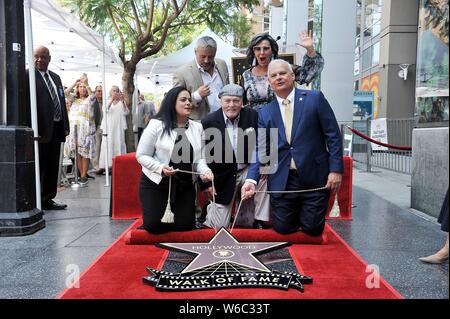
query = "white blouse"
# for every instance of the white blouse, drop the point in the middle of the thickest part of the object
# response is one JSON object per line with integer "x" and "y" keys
{"x": 155, "y": 149}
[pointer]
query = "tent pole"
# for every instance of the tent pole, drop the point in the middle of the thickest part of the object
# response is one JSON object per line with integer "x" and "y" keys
{"x": 32, "y": 82}
{"x": 135, "y": 110}
{"x": 105, "y": 117}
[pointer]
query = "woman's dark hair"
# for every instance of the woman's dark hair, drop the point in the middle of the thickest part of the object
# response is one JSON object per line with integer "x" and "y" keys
{"x": 255, "y": 41}
{"x": 167, "y": 112}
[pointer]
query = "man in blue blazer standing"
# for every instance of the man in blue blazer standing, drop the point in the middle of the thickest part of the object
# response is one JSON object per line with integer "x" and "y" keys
{"x": 309, "y": 154}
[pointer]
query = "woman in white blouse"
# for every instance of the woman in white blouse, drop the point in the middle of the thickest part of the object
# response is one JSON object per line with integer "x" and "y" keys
{"x": 169, "y": 143}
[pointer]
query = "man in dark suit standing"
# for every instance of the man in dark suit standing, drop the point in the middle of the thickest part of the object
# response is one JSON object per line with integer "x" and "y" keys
{"x": 230, "y": 142}
{"x": 309, "y": 154}
{"x": 53, "y": 126}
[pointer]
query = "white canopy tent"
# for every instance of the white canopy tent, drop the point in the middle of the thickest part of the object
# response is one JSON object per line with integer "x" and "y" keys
{"x": 77, "y": 49}
{"x": 73, "y": 47}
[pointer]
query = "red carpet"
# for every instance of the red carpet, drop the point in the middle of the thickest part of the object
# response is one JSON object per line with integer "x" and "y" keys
{"x": 338, "y": 273}
{"x": 142, "y": 237}
{"x": 125, "y": 188}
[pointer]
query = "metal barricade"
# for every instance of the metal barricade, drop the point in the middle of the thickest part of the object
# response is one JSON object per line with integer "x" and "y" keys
{"x": 399, "y": 132}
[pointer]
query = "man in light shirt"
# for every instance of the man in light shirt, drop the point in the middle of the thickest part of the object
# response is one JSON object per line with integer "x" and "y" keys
{"x": 204, "y": 77}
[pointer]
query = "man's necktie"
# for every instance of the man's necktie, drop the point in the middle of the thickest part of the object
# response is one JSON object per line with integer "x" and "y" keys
{"x": 287, "y": 119}
{"x": 55, "y": 99}
{"x": 288, "y": 125}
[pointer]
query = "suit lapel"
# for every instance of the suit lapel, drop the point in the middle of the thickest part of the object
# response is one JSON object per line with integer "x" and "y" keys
{"x": 40, "y": 83}
{"x": 299, "y": 98}
{"x": 196, "y": 74}
{"x": 221, "y": 73}
{"x": 59, "y": 88}
{"x": 277, "y": 119}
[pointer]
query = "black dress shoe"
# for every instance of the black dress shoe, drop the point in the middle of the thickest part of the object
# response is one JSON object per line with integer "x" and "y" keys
{"x": 258, "y": 224}
{"x": 199, "y": 225}
{"x": 89, "y": 176}
{"x": 51, "y": 205}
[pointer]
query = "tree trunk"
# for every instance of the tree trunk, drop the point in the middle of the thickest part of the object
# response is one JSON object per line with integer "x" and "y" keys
{"x": 128, "y": 89}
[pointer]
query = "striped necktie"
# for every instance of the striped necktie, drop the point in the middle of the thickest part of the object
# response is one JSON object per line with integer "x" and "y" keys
{"x": 55, "y": 99}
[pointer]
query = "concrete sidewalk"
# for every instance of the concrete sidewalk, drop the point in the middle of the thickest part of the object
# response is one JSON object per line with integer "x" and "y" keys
{"x": 392, "y": 186}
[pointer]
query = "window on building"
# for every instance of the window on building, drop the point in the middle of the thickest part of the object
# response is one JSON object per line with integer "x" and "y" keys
{"x": 357, "y": 47}
{"x": 358, "y": 17}
{"x": 266, "y": 20}
{"x": 367, "y": 59}
{"x": 356, "y": 68}
{"x": 315, "y": 24}
{"x": 376, "y": 54}
{"x": 432, "y": 75}
{"x": 372, "y": 21}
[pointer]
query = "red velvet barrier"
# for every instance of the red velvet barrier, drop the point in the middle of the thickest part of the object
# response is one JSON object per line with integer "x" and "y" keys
{"x": 125, "y": 189}
{"x": 142, "y": 237}
{"x": 126, "y": 174}
{"x": 345, "y": 193}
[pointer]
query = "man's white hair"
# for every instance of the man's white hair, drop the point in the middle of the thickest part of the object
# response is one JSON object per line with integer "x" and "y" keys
{"x": 279, "y": 61}
{"x": 206, "y": 42}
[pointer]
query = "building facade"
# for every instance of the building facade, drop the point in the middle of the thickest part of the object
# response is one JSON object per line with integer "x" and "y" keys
{"x": 393, "y": 56}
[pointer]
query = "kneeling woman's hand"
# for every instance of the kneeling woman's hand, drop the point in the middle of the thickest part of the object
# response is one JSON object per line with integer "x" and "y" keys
{"x": 168, "y": 171}
{"x": 208, "y": 177}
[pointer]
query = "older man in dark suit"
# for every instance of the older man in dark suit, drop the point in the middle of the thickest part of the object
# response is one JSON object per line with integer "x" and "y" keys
{"x": 53, "y": 126}
{"x": 230, "y": 144}
{"x": 309, "y": 154}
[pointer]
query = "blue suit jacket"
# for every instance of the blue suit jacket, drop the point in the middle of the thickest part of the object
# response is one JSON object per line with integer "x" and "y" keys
{"x": 316, "y": 145}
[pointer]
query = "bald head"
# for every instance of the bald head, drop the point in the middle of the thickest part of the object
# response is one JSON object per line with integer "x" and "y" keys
{"x": 41, "y": 58}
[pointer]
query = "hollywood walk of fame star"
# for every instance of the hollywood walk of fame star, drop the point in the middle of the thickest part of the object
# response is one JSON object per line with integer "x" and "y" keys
{"x": 223, "y": 247}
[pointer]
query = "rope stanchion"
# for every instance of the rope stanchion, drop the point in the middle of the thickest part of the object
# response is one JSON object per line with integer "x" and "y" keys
{"x": 402, "y": 148}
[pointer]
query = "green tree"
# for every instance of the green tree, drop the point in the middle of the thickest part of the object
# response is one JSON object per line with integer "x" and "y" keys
{"x": 238, "y": 31}
{"x": 140, "y": 28}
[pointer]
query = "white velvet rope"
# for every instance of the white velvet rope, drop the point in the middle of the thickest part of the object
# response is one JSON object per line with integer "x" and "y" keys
{"x": 257, "y": 191}
{"x": 275, "y": 192}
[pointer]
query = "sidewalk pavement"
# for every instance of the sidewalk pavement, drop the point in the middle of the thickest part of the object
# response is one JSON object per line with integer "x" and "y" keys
{"x": 391, "y": 186}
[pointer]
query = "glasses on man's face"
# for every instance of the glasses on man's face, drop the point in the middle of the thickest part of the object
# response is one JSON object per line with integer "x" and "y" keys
{"x": 259, "y": 49}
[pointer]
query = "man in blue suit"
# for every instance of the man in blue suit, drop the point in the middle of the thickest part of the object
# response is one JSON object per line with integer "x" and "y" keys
{"x": 309, "y": 154}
